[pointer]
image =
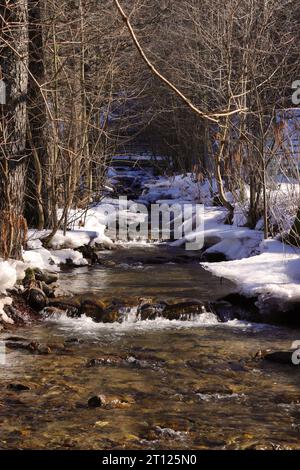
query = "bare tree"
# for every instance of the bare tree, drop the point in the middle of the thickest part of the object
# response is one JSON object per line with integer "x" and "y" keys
{"x": 13, "y": 157}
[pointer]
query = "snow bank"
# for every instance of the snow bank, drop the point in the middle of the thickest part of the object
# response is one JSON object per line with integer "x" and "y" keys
{"x": 50, "y": 260}
{"x": 3, "y": 316}
{"x": 180, "y": 188}
{"x": 275, "y": 272}
{"x": 234, "y": 242}
{"x": 8, "y": 276}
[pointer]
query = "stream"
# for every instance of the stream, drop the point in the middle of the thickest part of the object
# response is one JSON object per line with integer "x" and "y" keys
{"x": 190, "y": 383}
{"x": 180, "y": 384}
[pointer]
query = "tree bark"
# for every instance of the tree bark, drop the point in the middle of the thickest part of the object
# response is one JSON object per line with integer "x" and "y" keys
{"x": 36, "y": 202}
{"x": 13, "y": 114}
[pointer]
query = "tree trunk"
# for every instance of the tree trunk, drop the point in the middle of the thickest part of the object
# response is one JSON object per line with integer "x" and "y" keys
{"x": 13, "y": 114}
{"x": 36, "y": 205}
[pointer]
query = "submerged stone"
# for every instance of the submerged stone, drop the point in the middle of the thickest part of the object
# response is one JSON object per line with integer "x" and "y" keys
{"x": 96, "y": 401}
{"x": 36, "y": 299}
{"x": 280, "y": 357}
{"x": 18, "y": 387}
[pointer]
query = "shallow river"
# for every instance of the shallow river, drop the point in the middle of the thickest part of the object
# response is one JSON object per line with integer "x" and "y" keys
{"x": 191, "y": 384}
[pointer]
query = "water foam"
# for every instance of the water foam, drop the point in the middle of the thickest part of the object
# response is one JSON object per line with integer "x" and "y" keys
{"x": 131, "y": 321}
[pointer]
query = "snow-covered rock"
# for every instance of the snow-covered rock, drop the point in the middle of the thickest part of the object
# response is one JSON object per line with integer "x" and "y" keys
{"x": 8, "y": 276}
{"x": 3, "y": 316}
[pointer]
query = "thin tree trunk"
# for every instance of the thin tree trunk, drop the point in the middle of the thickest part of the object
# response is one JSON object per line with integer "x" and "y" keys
{"x": 13, "y": 158}
{"x": 37, "y": 114}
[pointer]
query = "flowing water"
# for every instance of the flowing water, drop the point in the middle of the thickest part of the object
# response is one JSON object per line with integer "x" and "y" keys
{"x": 179, "y": 384}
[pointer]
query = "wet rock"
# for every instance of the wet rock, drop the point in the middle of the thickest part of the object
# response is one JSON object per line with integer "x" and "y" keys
{"x": 15, "y": 338}
{"x": 48, "y": 291}
{"x": 183, "y": 310}
{"x": 90, "y": 305}
{"x": 172, "y": 311}
{"x": 18, "y": 387}
{"x": 287, "y": 398}
{"x": 33, "y": 347}
{"x": 169, "y": 433}
{"x": 280, "y": 357}
{"x": 66, "y": 302}
{"x": 261, "y": 353}
{"x": 93, "y": 308}
{"x": 96, "y": 401}
{"x": 140, "y": 362}
{"x": 36, "y": 299}
{"x": 289, "y": 357}
{"x": 106, "y": 360}
{"x": 224, "y": 310}
{"x": 110, "y": 402}
{"x": 16, "y": 315}
{"x": 150, "y": 311}
{"x": 212, "y": 389}
{"x": 275, "y": 310}
{"x": 242, "y": 307}
{"x": 213, "y": 257}
{"x": 144, "y": 362}
{"x": 90, "y": 253}
{"x": 73, "y": 341}
{"x": 49, "y": 312}
{"x": 60, "y": 305}
{"x": 48, "y": 277}
{"x": 29, "y": 278}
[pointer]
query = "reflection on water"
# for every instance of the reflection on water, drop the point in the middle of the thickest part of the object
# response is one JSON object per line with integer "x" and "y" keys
{"x": 181, "y": 385}
{"x": 125, "y": 273}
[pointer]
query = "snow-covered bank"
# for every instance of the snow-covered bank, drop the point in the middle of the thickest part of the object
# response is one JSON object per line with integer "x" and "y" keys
{"x": 266, "y": 269}
{"x": 273, "y": 274}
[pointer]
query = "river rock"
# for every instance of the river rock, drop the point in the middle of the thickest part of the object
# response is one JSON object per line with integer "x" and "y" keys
{"x": 213, "y": 257}
{"x": 93, "y": 308}
{"x": 49, "y": 312}
{"x": 18, "y": 387}
{"x": 90, "y": 305}
{"x": 74, "y": 341}
{"x": 48, "y": 291}
{"x": 225, "y": 311}
{"x": 172, "y": 311}
{"x": 48, "y": 277}
{"x": 36, "y": 299}
{"x": 96, "y": 401}
{"x": 106, "y": 401}
{"x": 90, "y": 253}
{"x": 150, "y": 311}
{"x": 107, "y": 359}
{"x": 63, "y": 305}
{"x": 280, "y": 357}
{"x": 242, "y": 307}
{"x": 183, "y": 310}
{"x": 33, "y": 347}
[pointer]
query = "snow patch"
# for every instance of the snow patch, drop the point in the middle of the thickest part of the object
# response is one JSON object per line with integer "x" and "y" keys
{"x": 3, "y": 316}
{"x": 8, "y": 276}
{"x": 274, "y": 272}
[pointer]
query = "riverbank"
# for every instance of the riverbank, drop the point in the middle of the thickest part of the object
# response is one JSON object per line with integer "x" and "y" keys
{"x": 264, "y": 271}
{"x": 71, "y": 382}
{"x": 174, "y": 366}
